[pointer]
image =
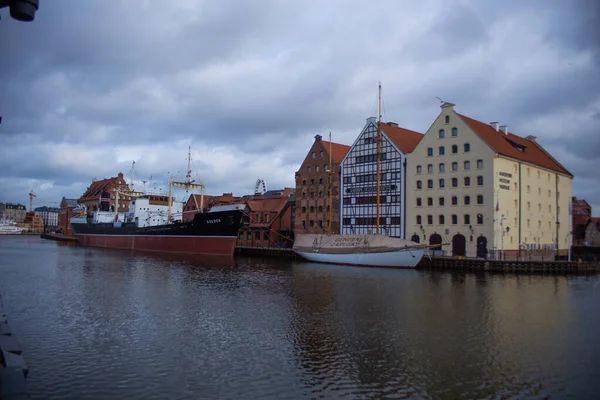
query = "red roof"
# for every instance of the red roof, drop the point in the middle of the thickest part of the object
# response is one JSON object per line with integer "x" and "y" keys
{"x": 338, "y": 150}
{"x": 507, "y": 145}
{"x": 104, "y": 185}
{"x": 271, "y": 205}
{"x": 405, "y": 139}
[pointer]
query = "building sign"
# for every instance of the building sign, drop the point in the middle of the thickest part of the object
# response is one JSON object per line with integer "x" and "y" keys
{"x": 370, "y": 189}
{"x": 505, "y": 181}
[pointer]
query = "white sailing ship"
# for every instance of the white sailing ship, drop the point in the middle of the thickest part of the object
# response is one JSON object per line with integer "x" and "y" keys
{"x": 374, "y": 250}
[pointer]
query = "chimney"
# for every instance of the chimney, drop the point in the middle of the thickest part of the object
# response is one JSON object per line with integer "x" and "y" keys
{"x": 531, "y": 138}
{"x": 318, "y": 138}
{"x": 495, "y": 125}
{"x": 504, "y": 129}
{"x": 393, "y": 124}
{"x": 371, "y": 120}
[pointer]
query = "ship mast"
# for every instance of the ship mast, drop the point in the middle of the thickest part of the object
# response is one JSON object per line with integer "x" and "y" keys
{"x": 187, "y": 185}
{"x": 378, "y": 161}
{"x": 330, "y": 191}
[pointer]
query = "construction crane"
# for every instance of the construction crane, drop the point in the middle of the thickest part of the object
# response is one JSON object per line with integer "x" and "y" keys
{"x": 31, "y": 196}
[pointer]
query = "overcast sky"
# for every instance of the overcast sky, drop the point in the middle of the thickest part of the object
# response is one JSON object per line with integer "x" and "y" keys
{"x": 90, "y": 86}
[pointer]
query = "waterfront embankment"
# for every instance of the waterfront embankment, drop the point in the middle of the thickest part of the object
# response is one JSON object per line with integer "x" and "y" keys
{"x": 13, "y": 370}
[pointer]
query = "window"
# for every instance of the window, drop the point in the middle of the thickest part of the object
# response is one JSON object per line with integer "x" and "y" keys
{"x": 321, "y": 181}
{"x": 441, "y": 220}
{"x": 419, "y": 169}
{"x": 467, "y": 147}
{"x": 528, "y": 206}
{"x": 442, "y": 167}
{"x": 479, "y": 219}
{"x": 326, "y": 168}
{"x": 454, "y": 149}
{"x": 308, "y": 169}
{"x": 430, "y": 168}
{"x": 442, "y": 150}
{"x": 467, "y": 181}
{"x": 538, "y": 174}
{"x": 454, "y": 200}
{"x": 312, "y": 209}
{"x": 479, "y": 199}
{"x": 430, "y": 220}
{"x": 441, "y": 134}
{"x": 317, "y": 168}
{"x": 314, "y": 155}
{"x": 454, "y": 132}
{"x": 429, "y": 151}
{"x": 419, "y": 185}
{"x": 430, "y": 184}
{"x": 454, "y": 219}
{"x": 454, "y": 166}
{"x": 418, "y": 220}
{"x": 257, "y": 233}
{"x": 528, "y": 189}
{"x": 454, "y": 182}
{"x": 479, "y": 164}
{"x": 429, "y": 201}
{"x": 467, "y": 165}
{"x": 321, "y": 153}
{"x": 480, "y": 180}
{"x": 467, "y": 200}
{"x": 447, "y": 119}
{"x": 539, "y": 191}
{"x": 442, "y": 183}
{"x": 441, "y": 201}
{"x": 467, "y": 219}
{"x": 419, "y": 202}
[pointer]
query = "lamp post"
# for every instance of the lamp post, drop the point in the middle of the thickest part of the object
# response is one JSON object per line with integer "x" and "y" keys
{"x": 21, "y": 10}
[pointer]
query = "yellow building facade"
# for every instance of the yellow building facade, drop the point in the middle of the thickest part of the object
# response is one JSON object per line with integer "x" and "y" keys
{"x": 480, "y": 191}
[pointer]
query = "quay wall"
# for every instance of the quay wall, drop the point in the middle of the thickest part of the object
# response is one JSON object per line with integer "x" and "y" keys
{"x": 13, "y": 370}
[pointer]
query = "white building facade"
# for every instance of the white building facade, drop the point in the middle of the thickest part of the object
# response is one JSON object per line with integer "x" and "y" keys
{"x": 358, "y": 175}
{"x": 49, "y": 216}
{"x": 484, "y": 191}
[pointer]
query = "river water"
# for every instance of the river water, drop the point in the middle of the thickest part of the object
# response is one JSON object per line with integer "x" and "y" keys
{"x": 106, "y": 324}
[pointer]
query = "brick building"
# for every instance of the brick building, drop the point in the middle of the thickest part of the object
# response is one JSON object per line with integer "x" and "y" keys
{"x": 101, "y": 195}
{"x": 64, "y": 216}
{"x": 582, "y": 214}
{"x": 33, "y": 222}
{"x": 312, "y": 188}
{"x": 270, "y": 220}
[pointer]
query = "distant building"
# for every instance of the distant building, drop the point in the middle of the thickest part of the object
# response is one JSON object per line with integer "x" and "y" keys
{"x": 64, "y": 216}
{"x": 359, "y": 180}
{"x": 1, "y": 211}
{"x": 312, "y": 188}
{"x": 582, "y": 213}
{"x": 101, "y": 195}
{"x": 16, "y": 212}
{"x": 592, "y": 233}
{"x": 270, "y": 222}
{"x": 33, "y": 223}
{"x": 49, "y": 216}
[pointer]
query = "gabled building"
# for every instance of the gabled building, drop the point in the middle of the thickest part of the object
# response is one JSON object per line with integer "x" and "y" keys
{"x": 15, "y": 212}
{"x": 592, "y": 233}
{"x": 581, "y": 214}
{"x": 270, "y": 221}
{"x": 359, "y": 177}
{"x": 64, "y": 216}
{"x": 101, "y": 195}
{"x": 312, "y": 188}
{"x": 481, "y": 188}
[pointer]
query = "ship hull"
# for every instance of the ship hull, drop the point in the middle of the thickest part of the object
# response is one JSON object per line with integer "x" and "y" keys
{"x": 393, "y": 259}
{"x": 208, "y": 245}
{"x": 207, "y": 234}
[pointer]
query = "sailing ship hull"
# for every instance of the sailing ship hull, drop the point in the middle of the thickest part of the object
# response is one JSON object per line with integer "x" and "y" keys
{"x": 209, "y": 234}
{"x": 394, "y": 259}
{"x": 360, "y": 250}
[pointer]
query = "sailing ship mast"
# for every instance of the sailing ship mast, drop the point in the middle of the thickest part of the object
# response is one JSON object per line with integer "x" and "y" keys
{"x": 378, "y": 160}
{"x": 187, "y": 185}
{"x": 330, "y": 191}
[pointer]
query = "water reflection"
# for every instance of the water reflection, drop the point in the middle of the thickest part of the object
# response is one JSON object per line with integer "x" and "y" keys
{"x": 98, "y": 323}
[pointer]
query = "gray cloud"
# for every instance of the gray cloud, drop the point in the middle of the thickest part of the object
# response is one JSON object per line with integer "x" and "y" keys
{"x": 85, "y": 89}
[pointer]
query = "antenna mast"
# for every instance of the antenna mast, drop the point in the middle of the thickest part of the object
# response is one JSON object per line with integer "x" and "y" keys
{"x": 378, "y": 158}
